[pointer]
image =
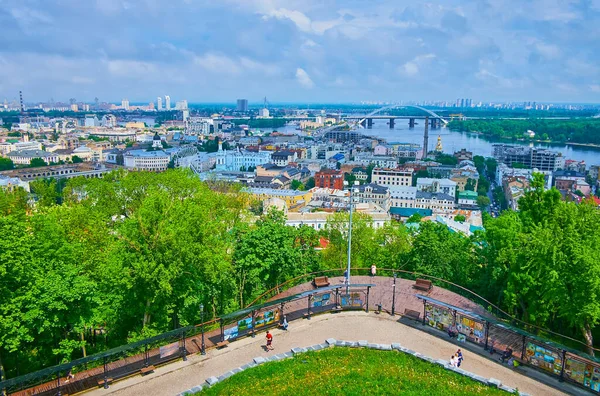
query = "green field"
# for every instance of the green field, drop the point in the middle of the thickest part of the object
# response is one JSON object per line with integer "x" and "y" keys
{"x": 349, "y": 371}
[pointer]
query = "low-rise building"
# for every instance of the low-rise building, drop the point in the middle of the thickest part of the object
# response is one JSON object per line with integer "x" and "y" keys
{"x": 329, "y": 178}
{"x": 392, "y": 177}
{"x": 445, "y": 186}
{"x": 24, "y": 157}
{"x": 434, "y": 201}
{"x": 292, "y": 198}
{"x": 142, "y": 160}
{"x": 514, "y": 188}
{"x": 463, "y": 155}
{"x": 403, "y": 197}
{"x": 373, "y": 193}
{"x": 8, "y": 183}
{"x": 467, "y": 199}
{"x": 318, "y": 220}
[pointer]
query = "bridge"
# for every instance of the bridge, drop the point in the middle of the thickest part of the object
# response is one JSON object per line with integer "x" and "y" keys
{"x": 367, "y": 120}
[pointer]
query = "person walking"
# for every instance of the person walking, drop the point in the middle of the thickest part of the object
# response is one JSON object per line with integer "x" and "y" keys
{"x": 459, "y": 357}
{"x": 373, "y": 270}
{"x": 453, "y": 361}
{"x": 285, "y": 324}
{"x": 269, "y": 341}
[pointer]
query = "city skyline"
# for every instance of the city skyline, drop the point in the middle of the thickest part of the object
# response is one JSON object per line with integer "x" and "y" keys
{"x": 300, "y": 51}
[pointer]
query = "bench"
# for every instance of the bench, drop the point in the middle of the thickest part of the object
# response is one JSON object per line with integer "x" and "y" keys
{"x": 108, "y": 381}
{"x": 222, "y": 344}
{"x": 147, "y": 370}
{"x": 336, "y": 309}
{"x": 411, "y": 313}
{"x": 423, "y": 284}
{"x": 321, "y": 281}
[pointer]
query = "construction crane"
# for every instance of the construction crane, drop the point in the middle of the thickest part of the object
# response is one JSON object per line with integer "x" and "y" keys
{"x": 265, "y": 103}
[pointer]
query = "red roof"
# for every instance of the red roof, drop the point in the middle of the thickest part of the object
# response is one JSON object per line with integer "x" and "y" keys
{"x": 323, "y": 243}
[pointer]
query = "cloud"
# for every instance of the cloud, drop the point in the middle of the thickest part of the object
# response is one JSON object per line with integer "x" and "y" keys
{"x": 490, "y": 50}
{"x": 300, "y": 20}
{"x": 304, "y": 79}
{"x": 412, "y": 67}
{"x": 219, "y": 64}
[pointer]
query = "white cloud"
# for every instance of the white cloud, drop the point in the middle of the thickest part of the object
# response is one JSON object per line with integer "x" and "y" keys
{"x": 218, "y": 64}
{"x": 548, "y": 51}
{"x": 410, "y": 68}
{"x": 130, "y": 68}
{"x": 304, "y": 79}
{"x": 300, "y": 20}
{"x": 413, "y": 67}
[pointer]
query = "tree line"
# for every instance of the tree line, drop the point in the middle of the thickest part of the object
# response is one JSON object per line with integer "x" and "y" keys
{"x": 582, "y": 131}
{"x": 98, "y": 263}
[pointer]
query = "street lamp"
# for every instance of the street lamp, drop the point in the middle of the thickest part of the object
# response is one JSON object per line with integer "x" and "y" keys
{"x": 352, "y": 190}
{"x": 203, "y": 349}
{"x": 394, "y": 296}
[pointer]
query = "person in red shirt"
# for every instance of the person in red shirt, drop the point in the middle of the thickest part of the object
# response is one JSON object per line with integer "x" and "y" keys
{"x": 269, "y": 341}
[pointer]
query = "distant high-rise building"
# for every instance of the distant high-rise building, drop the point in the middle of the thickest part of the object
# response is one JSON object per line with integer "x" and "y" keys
{"x": 242, "y": 105}
{"x": 125, "y": 104}
{"x": 159, "y": 103}
{"x": 263, "y": 113}
{"x": 181, "y": 105}
{"x": 462, "y": 103}
{"x": 167, "y": 102}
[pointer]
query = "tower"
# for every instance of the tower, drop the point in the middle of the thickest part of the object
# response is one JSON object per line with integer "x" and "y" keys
{"x": 426, "y": 138}
{"x": 159, "y": 103}
{"x": 156, "y": 141}
{"x": 438, "y": 146}
{"x": 21, "y": 98}
{"x": 167, "y": 102}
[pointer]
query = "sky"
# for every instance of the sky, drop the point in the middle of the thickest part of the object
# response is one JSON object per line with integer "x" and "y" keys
{"x": 307, "y": 50}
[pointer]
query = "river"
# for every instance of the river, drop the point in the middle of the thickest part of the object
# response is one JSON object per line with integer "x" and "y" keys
{"x": 479, "y": 145}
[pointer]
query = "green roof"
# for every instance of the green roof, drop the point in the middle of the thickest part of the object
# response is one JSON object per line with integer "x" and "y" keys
{"x": 467, "y": 194}
{"x": 407, "y": 212}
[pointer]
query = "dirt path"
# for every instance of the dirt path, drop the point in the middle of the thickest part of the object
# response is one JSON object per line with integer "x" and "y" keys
{"x": 351, "y": 326}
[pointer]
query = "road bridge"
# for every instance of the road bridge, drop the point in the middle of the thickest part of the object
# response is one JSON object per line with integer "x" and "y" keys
{"x": 367, "y": 120}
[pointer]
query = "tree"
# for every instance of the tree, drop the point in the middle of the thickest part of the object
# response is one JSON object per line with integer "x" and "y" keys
{"x": 350, "y": 178}
{"x": 479, "y": 162}
{"x": 76, "y": 160}
{"x": 6, "y": 164}
{"x": 46, "y": 192}
{"x": 370, "y": 168}
{"x": 414, "y": 218}
{"x": 36, "y": 162}
{"x": 460, "y": 218}
{"x": 310, "y": 183}
{"x": 483, "y": 201}
{"x": 297, "y": 185}
{"x": 470, "y": 185}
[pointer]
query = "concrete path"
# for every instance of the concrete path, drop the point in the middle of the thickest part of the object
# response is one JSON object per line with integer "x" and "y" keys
{"x": 352, "y": 326}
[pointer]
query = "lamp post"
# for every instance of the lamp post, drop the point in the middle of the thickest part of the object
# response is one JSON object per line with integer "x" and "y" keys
{"x": 350, "y": 236}
{"x": 203, "y": 349}
{"x": 394, "y": 295}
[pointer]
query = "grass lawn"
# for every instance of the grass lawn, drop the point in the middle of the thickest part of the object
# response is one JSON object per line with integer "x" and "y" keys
{"x": 350, "y": 371}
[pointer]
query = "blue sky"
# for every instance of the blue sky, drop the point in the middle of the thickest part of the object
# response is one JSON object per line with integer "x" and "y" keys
{"x": 308, "y": 50}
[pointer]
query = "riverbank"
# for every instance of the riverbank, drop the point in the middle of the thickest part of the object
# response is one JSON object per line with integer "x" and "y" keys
{"x": 525, "y": 141}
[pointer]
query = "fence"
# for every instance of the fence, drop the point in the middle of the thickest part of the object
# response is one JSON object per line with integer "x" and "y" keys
{"x": 455, "y": 306}
{"x": 553, "y": 359}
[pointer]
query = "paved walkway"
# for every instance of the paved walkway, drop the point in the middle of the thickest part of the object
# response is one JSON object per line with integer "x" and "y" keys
{"x": 353, "y": 326}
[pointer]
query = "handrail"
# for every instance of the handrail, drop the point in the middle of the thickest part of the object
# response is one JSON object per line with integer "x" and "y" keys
{"x": 66, "y": 366}
{"x": 316, "y": 273}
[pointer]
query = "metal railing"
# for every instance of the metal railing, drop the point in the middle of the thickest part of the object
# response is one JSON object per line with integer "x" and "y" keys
{"x": 102, "y": 368}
